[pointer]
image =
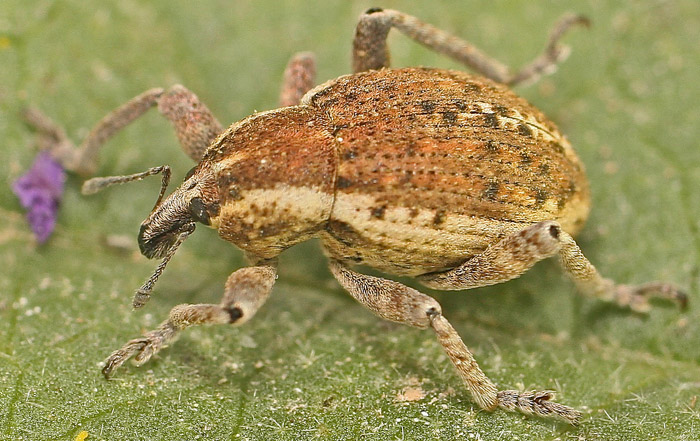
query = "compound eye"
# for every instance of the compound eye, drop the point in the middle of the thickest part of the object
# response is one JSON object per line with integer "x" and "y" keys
{"x": 198, "y": 211}
{"x": 189, "y": 173}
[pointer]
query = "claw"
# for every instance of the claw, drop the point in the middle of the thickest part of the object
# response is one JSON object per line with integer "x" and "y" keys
{"x": 137, "y": 346}
{"x": 537, "y": 403}
{"x": 636, "y": 297}
{"x": 142, "y": 349}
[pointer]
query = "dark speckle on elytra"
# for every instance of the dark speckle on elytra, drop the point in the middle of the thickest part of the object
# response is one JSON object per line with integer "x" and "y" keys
{"x": 540, "y": 196}
{"x": 491, "y": 191}
{"x": 472, "y": 88}
{"x": 338, "y": 128}
{"x": 525, "y": 130}
{"x": 459, "y": 104}
{"x": 428, "y": 106}
{"x": 491, "y": 120}
{"x": 378, "y": 212}
{"x": 557, "y": 147}
{"x": 450, "y": 118}
{"x": 501, "y": 110}
{"x": 343, "y": 182}
{"x": 525, "y": 159}
{"x": 439, "y": 217}
{"x": 348, "y": 155}
{"x": 492, "y": 146}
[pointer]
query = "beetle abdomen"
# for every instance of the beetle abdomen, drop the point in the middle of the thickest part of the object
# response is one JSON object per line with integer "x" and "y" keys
{"x": 435, "y": 165}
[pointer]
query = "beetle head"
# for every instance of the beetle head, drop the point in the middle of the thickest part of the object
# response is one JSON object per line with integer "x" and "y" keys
{"x": 192, "y": 202}
{"x": 172, "y": 219}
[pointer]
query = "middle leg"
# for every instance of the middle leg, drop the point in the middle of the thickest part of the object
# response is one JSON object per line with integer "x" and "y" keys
{"x": 399, "y": 303}
{"x": 299, "y": 77}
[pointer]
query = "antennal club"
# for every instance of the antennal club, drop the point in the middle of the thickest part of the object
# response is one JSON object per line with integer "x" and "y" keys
{"x": 142, "y": 294}
{"x": 94, "y": 185}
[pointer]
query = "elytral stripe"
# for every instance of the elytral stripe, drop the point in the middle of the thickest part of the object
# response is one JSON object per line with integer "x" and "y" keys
{"x": 510, "y": 119}
{"x": 430, "y": 231}
{"x": 298, "y": 202}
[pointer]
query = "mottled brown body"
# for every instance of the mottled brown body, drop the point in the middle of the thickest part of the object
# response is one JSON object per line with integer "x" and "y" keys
{"x": 407, "y": 170}
{"x": 432, "y": 173}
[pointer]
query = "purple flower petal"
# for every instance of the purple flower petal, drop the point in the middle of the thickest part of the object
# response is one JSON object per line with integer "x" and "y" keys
{"x": 40, "y": 191}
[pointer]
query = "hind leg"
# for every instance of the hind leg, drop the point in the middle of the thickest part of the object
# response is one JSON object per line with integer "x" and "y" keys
{"x": 515, "y": 254}
{"x": 370, "y": 50}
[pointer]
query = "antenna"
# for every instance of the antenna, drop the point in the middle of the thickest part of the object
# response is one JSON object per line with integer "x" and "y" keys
{"x": 143, "y": 294}
{"x": 94, "y": 185}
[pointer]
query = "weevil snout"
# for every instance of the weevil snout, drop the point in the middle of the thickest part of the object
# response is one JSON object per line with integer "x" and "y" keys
{"x": 161, "y": 229}
{"x": 173, "y": 216}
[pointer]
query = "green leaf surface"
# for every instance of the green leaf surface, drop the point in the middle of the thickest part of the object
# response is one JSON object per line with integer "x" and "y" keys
{"x": 313, "y": 364}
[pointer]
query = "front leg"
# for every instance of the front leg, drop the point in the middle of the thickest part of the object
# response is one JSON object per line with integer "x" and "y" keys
{"x": 399, "y": 303}
{"x": 246, "y": 291}
{"x": 195, "y": 127}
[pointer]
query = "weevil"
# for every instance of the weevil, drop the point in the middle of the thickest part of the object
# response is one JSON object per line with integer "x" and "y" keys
{"x": 436, "y": 174}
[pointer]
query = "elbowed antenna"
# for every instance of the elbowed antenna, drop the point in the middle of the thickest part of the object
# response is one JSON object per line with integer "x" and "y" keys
{"x": 143, "y": 294}
{"x": 94, "y": 185}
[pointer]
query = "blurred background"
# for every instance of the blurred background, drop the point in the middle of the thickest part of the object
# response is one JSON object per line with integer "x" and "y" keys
{"x": 313, "y": 364}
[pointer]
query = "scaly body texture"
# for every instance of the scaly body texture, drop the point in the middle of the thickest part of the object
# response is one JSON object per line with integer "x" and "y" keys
{"x": 431, "y": 173}
{"x": 410, "y": 171}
